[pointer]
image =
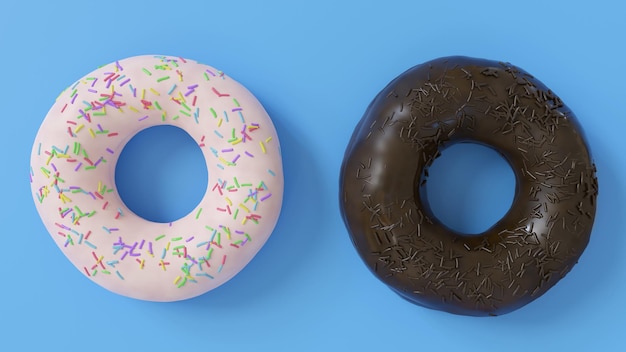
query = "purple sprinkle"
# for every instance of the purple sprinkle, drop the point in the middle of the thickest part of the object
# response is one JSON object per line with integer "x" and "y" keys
{"x": 189, "y": 239}
{"x": 236, "y": 109}
{"x": 114, "y": 229}
{"x": 109, "y": 150}
{"x": 143, "y": 118}
{"x": 255, "y": 124}
{"x": 250, "y": 155}
{"x": 74, "y": 98}
{"x": 126, "y": 81}
{"x": 227, "y": 150}
{"x": 124, "y": 255}
{"x": 94, "y": 82}
{"x": 192, "y": 86}
{"x": 109, "y": 83}
{"x": 92, "y": 90}
{"x": 265, "y": 197}
{"x": 97, "y": 162}
{"x": 239, "y": 232}
{"x": 78, "y": 166}
{"x": 150, "y": 247}
{"x": 141, "y": 244}
{"x": 92, "y": 196}
{"x": 211, "y": 73}
{"x": 53, "y": 167}
{"x": 100, "y": 128}
{"x": 236, "y": 158}
{"x": 74, "y": 187}
{"x": 134, "y": 92}
{"x": 189, "y": 92}
{"x": 117, "y": 63}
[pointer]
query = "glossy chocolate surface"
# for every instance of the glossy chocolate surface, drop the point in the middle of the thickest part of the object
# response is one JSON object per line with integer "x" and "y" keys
{"x": 385, "y": 169}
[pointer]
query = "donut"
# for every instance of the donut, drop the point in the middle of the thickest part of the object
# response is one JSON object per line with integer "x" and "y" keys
{"x": 385, "y": 171}
{"x": 73, "y": 168}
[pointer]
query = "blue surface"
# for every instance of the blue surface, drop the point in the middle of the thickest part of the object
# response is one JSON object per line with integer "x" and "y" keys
{"x": 315, "y": 66}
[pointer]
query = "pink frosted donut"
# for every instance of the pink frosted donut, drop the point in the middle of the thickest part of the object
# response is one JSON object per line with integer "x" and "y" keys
{"x": 73, "y": 166}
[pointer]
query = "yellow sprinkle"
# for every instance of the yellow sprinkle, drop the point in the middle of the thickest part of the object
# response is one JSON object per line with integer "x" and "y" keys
{"x": 167, "y": 248}
{"x": 64, "y": 198}
{"x": 268, "y": 139}
{"x": 237, "y": 141}
{"x": 229, "y": 202}
{"x": 93, "y": 135}
{"x": 226, "y": 162}
{"x": 99, "y": 186}
{"x": 133, "y": 109}
{"x": 176, "y": 280}
{"x": 263, "y": 147}
{"x": 143, "y": 94}
{"x": 80, "y": 127}
{"x": 244, "y": 207}
{"x": 243, "y": 222}
{"x": 220, "y": 122}
{"x": 182, "y": 98}
{"x": 154, "y": 91}
{"x": 142, "y": 263}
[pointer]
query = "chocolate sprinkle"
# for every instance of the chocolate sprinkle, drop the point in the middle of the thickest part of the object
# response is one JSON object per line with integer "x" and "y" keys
{"x": 385, "y": 170}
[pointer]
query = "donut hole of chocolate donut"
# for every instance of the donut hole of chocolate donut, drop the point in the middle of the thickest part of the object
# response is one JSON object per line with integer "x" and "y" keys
{"x": 468, "y": 188}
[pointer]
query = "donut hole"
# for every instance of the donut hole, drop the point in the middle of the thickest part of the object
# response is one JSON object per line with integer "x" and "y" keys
{"x": 161, "y": 174}
{"x": 469, "y": 188}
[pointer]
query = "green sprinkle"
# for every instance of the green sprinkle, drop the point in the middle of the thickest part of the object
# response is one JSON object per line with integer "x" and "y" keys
{"x": 236, "y": 212}
{"x": 185, "y": 113}
{"x": 206, "y": 76}
{"x": 236, "y": 102}
{"x": 236, "y": 182}
{"x": 106, "y": 272}
{"x": 162, "y": 78}
{"x": 159, "y": 237}
{"x": 175, "y": 117}
{"x": 146, "y": 72}
{"x": 213, "y": 112}
{"x": 177, "y": 239}
{"x": 198, "y": 213}
{"x": 156, "y": 103}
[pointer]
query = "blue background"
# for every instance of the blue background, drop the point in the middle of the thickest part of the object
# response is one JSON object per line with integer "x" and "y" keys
{"x": 315, "y": 66}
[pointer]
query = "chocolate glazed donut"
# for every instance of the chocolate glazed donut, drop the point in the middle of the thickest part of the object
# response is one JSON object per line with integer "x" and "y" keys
{"x": 385, "y": 169}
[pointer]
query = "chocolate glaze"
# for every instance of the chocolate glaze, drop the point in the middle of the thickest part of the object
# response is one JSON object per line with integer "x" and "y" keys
{"x": 384, "y": 172}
